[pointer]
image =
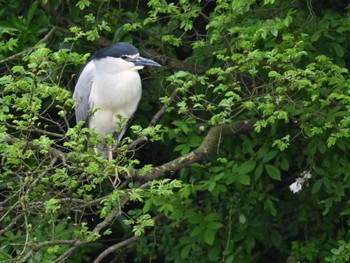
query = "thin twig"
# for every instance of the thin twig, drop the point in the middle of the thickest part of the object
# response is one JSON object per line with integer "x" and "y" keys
{"x": 13, "y": 221}
{"x": 36, "y": 129}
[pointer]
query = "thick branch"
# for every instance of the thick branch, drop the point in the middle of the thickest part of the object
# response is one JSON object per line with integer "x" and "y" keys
{"x": 210, "y": 142}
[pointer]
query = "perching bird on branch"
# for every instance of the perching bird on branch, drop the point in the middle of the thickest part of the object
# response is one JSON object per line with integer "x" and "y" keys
{"x": 109, "y": 89}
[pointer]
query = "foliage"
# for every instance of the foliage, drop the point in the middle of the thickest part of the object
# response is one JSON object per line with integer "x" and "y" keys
{"x": 183, "y": 192}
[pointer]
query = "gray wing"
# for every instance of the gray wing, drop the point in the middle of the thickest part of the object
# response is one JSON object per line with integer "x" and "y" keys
{"x": 82, "y": 93}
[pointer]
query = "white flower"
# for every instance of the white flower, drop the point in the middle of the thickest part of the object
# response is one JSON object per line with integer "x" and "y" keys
{"x": 295, "y": 187}
{"x": 306, "y": 174}
{"x": 298, "y": 184}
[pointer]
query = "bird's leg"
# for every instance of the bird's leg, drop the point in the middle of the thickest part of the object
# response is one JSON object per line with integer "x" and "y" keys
{"x": 117, "y": 180}
{"x": 110, "y": 153}
{"x": 128, "y": 174}
{"x": 96, "y": 150}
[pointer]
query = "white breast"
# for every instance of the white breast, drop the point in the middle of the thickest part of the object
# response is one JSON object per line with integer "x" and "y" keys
{"x": 116, "y": 90}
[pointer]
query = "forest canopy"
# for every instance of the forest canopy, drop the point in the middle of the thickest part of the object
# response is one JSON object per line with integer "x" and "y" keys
{"x": 238, "y": 152}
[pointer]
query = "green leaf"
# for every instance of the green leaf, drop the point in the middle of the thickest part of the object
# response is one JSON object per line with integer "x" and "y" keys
{"x": 270, "y": 206}
{"x": 196, "y": 231}
{"x": 209, "y": 236}
{"x": 322, "y": 147}
{"x": 243, "y": 179}
{"x": 246, "y": 167}
{"x": 214, "y": 252}
{"x": 242, "y": 218}
{"x": 317, "y": 186}
{"x": 276, "y": 238}
{"x": 284, "y": 164}
{"x": 249, "y": 241}
{"x": 273, "y": 172}
{"x": 5, "y": 25}
{"x": 230, "y": 259}
{"x": 274, "y": 31}
{"x": 258, "y": 171}
{"x": 82, "y": 4}
{"x": 269, "y": 156}
{"x": 32, "y": 11}
{"x": 211, "y": 217}
{"x": 186, "y": 251}
{"x": 339, "y": 50}
{"x": 215, "y": 225}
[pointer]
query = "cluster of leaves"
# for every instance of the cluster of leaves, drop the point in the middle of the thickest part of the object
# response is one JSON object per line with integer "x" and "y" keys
{"x": 267, "y": 68}
{"x": 280, "y": 64}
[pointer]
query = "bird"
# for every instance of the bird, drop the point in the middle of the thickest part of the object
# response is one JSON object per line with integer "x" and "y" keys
{"x": 109, "y": 89}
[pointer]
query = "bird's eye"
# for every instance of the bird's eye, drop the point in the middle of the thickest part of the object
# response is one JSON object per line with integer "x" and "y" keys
{"x": 124, "y": 57}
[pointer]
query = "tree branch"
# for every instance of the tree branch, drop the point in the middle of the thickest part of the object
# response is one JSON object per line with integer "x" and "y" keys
{"x": 208, "y": 145}
{"x": 13, "y": 222}
{"x": 37, "y": 247}
{"x": 36, "y": 129}
{"x": 210, "y": 142}
{"x": 115, "y": 247}
{"x": 98, "y": 228}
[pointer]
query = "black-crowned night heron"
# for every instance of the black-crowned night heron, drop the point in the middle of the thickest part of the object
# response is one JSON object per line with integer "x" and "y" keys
{"x": 109, "y": 89}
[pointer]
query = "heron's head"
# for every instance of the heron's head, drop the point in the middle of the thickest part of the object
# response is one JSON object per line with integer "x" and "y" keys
{"x": 123, "y": 56}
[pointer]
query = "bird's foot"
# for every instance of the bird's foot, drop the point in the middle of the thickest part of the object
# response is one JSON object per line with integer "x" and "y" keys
{"x": 117, "y": 180}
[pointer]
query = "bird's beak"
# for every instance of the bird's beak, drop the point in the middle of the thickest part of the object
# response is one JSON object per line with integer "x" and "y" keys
{"x": 141, "y": 61}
